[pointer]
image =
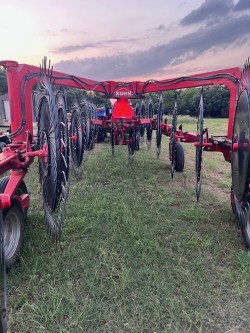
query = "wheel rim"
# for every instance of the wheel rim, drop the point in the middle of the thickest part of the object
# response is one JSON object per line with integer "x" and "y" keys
{"x": 11, "y": 228}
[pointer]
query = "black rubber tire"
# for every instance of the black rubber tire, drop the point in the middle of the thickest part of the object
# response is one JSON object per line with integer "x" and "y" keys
{"x": 101, "y": 135}
{"x": 13, "y": 214}
{"x": 179, "y": 157}
{"x": 158, "y": 127}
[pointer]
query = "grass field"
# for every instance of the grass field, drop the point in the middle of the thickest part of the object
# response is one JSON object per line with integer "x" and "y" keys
{"x": 139, "y": 254}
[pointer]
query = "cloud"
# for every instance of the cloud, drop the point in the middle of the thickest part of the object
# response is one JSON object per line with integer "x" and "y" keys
{"x": 104, "y": 43}
{"x": 209, "y": 10}
{"x": 72, "y": 48}
{"x": 242, "y": 5}
{"x": 160, "y": 27}
{"x": 149, "y": 61}
{"x": 62, "y": 31}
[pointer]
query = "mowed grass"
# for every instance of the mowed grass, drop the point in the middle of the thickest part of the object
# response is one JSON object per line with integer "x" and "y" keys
{"x": 139, "y": 254}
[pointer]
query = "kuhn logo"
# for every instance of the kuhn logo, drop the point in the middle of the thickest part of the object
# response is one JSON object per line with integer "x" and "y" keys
{"x": 123, "y": 92}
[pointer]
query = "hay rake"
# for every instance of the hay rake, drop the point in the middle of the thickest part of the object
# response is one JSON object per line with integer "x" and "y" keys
{"x": 57, "y": 140}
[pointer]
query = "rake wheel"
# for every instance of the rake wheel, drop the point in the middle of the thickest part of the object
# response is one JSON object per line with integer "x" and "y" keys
{"x": 50, "y": 177}
{"x": 199, "y": 149}
{"x": 173, "y": 140}
{"x": 76, "y": 135}
{"x": 142, "y": 116}
{"x": 48, "y": 135}
{"x": 149, "y": 127}
{"x": 86, "y": 123}
{"x": 137, "y": 111}
{"x": 240, "y": 156}
{"x": 158, "y": 128}
{"x": 92, "y": 114}
{"x": 53, "y": 168}
{"x": 240, "y": 163}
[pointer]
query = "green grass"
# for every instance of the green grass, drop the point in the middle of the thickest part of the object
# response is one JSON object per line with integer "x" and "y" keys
{"x": 216, "y": 126}
{"x": 138, "y": 255}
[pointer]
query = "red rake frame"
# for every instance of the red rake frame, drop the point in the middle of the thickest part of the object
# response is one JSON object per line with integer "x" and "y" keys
{"x": 22, "y": 79}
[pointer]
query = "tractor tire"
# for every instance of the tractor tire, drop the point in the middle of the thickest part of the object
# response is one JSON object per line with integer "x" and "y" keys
{"x": 179, "y": 157}
{"x": 13, "y": 226}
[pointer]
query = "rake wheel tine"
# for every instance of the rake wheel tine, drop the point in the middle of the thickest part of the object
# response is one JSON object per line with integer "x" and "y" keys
{"x": 64, "y": 161}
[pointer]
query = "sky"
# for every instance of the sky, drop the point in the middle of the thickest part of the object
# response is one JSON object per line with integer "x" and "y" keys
{"x": 127, "y": 40}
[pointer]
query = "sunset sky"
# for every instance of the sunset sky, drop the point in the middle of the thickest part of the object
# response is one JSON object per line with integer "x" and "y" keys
{"x": 124, "y": 40}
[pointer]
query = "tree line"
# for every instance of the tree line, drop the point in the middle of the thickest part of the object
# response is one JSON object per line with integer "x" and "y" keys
{"x": 216, "y": 99}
